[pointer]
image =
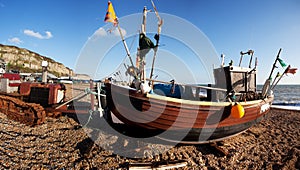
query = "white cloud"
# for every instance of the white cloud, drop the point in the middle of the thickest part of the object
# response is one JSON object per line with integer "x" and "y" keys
{"x": 15, "y": 40}
{"x": 38, "y": 35}
{"x": 48, "y": 35}
{"x": 101, "y": 32}
{"x": 116, "y": 32}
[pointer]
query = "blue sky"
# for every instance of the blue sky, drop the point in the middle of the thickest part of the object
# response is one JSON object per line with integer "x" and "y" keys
{"x": 60, "y": 28}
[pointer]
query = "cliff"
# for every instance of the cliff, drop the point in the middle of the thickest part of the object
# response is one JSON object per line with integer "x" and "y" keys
{"x": 25, "y": 60}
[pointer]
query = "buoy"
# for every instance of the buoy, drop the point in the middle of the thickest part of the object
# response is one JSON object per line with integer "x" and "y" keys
{"x": 237, "y": 111}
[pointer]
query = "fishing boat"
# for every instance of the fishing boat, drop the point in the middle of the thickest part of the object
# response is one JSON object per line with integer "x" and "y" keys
{"x": 183, "y": 112}
{"x": 194, "y": 118}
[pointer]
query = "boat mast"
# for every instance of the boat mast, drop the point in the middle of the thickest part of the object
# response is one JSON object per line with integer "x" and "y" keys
{"x": 143, "y": 31}
{"x": 125, "y": 45}
{"x": 143, "y": 26}
{"x": 112, "y": 17}
{"x": 274, "y": 65}
{"x": 160, "y": 22}
{"x": 280, "y": 77}
{"x": 267, "y": 84}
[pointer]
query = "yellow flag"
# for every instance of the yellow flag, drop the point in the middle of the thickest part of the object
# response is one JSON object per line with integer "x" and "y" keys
{"x": 110, "y": 14}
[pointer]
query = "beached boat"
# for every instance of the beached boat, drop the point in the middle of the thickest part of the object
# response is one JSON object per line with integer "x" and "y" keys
{"x": 184, "y": 112}
{"x": 189, "y": 117}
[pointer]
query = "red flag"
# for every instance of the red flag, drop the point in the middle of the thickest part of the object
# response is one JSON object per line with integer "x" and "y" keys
{"x": 290, "y": 70}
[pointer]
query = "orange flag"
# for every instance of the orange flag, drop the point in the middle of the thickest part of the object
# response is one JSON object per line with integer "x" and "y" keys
{"x": 110, "y": 14}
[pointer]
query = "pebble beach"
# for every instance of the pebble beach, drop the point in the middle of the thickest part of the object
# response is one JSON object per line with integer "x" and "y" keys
{"x": 61, "y": 143}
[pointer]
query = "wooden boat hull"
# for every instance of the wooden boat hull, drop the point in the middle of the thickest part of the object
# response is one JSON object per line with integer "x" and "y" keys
{"x": 178, "y": 119}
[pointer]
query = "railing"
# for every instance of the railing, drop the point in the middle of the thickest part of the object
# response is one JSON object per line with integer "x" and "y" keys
{"x": 194, "y": 92}
{"x": 190, "y": 85}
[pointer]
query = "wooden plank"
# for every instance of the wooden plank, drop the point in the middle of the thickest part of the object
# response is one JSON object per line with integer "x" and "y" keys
{"x": 157, "y": 165}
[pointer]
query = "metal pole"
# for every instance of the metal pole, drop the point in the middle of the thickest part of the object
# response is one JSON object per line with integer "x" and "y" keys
{"x": 267, "y": 84}
{"x": 275, "y": 80}
{"x": 274, "y": 65}
{"x": 92, "y": 95}
{"x": 99, "y": 99}
{"x": 241, "y": 59}
{"x": 79, "y": 96}
{"x": 223, "y": 60}
{"x": 143, "y": 27}
{"x": 142, "y": 60}
{"x": 160, "y": 22}
{"x": 125, "y": 45}
{"x": 152, "y": 67}
{"x": 252, "y": 52}
{"x": 273, "y": 86}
